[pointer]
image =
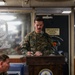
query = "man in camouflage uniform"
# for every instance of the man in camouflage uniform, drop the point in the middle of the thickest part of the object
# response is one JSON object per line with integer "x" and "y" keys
{"x": 38, "y": 42}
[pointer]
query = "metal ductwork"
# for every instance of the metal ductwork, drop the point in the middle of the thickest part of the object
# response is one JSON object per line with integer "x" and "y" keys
{"x": 52, "y": 0}
{"x": 38, "y": 3}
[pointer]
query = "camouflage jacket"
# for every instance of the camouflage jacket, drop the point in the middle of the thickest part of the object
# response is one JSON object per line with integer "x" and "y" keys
{"x": 38, "y": 42}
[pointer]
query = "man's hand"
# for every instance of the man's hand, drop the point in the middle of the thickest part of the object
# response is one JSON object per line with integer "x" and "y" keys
{"x": 29, "y": 53}
{"x": 38, "y": 53}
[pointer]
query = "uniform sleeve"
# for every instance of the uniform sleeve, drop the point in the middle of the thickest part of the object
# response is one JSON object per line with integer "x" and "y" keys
{"x": 26, "y": 44}
{"x": 50, "y": 40}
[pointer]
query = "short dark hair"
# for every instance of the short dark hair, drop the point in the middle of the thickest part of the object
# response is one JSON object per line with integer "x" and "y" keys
{"x": 3, "y": 57}
{"x": 38, "y": 19}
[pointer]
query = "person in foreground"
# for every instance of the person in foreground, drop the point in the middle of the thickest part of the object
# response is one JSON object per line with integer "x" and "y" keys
{"x": 4, "y": 64}
{"x": 37, "y": 42}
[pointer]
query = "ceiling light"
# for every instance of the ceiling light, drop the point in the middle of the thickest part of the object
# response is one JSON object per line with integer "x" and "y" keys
{"x": 66, "y": 12}
{"x": 2, "y": 2}
{"x": 47, "y": 17}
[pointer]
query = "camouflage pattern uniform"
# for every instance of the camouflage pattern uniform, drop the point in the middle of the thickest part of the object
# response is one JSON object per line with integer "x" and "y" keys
{"x": 38, "y": 42}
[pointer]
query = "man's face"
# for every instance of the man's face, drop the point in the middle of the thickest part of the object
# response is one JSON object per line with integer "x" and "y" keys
{"x": 1, "y": 67}
{"x": 6, "y": 65}
{"x": 38, "y": 25}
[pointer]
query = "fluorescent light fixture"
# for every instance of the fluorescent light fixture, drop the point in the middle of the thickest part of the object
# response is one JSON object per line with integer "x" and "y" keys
{"x": 47, "y": 17}
{"x": 66, "y": 12}
{"x": 2, "y": 2}
{"x": 7, "y": 17}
